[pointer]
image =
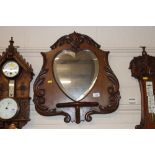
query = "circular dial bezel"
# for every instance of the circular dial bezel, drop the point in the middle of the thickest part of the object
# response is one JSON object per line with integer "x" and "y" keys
{"x": 9, "y": 72}
{"x": 8, "y": 104}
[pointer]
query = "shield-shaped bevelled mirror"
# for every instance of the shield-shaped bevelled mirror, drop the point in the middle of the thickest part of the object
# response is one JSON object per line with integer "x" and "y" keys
{"x": 76, "y": 72}
{"x": 76, "y": 80}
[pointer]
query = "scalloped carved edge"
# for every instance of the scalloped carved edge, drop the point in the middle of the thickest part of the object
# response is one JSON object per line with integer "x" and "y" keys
{"x": 39, "y": 96}
{"x": 114, "y": 95}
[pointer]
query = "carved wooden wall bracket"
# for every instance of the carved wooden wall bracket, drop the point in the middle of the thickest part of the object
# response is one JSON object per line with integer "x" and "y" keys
{"x": 51, "y": 99}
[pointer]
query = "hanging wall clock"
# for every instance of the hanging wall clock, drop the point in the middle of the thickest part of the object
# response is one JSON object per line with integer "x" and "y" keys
{"x": 143, "y": 69}
{"x": 15, "y": 77}
{"x": 76, "y": 80}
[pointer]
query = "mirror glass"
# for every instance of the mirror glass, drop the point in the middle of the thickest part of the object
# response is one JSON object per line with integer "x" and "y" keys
{"x": 76, "y": 72}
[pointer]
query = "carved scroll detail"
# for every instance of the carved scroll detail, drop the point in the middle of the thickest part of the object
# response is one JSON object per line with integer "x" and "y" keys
{"x": 39, "y": 92}
{"x": 39, "y": 97}
{"x": 114, "y": 95}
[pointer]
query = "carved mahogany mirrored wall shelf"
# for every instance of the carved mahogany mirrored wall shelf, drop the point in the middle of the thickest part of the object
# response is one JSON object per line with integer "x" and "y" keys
{"x": 76, "y": 80}
{"x": 143, "y": 69}
{"x": 15, "y": 77}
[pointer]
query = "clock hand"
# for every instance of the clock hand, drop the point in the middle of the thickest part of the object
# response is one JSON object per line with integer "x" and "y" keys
{"x": 7, "y": 106}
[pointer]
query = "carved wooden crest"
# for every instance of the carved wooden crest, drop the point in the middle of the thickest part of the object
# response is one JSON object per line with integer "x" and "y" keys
{"x": 14, "y": 88}
{"x": 76, "y": 80}
{"x": 143, "y": 69}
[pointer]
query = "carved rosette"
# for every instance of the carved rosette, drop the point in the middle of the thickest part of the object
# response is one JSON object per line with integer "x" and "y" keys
{"x": 75, "y": 40}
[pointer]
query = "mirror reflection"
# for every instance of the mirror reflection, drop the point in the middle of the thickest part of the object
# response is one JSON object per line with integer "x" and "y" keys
{"x": 76, "y": 72}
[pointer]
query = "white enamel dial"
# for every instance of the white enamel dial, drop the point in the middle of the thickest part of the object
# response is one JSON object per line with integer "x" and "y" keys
{"x": 8, "y": 108}
{"x": 10, "y": 69}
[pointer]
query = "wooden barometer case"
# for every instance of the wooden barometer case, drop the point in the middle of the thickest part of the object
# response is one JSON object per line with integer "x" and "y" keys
{"x": 76, "y": 80}
{"x": 15, "y": 77}
{"x": 143, "y": 69}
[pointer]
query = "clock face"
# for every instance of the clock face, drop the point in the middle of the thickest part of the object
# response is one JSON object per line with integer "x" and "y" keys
{"x": 10, "y": 69}
{"x": 8, "y": 108}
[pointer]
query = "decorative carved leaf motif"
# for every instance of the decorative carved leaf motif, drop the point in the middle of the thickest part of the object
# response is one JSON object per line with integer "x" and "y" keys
{"x": 76, "y": 72}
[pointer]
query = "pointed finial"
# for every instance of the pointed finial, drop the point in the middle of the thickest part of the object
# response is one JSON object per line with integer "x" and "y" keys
{"x": 11, "y": 41}
{"x": 75, "y": 33}
{"x": 144, "y": 51}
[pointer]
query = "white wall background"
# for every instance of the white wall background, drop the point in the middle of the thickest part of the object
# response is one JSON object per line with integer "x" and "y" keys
{"x": 123, "y": 44}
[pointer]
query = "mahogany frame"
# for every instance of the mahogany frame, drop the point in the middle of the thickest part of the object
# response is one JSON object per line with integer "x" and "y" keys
{"x": 49, "y": 98}
{"x": 143, "y": 69}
